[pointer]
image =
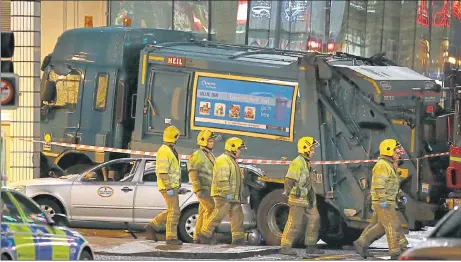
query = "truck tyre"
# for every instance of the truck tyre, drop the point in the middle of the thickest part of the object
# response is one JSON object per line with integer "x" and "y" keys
{"x": 85, "y": 255}
{"x": 186, "y": 225}
{"x": 272, "y": 216}
{"x": 333, "y": 229}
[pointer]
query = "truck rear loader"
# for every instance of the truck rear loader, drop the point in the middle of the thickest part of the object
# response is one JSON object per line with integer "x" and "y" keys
{"x": 120, "y": 87}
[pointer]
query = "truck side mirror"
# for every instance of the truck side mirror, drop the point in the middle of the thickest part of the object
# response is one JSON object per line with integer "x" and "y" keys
{"x": 49, "y": 91}
{"x": 324, "y": 70}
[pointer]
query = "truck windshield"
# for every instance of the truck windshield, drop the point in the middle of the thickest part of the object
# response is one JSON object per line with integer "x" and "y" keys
{"x": 67, "y": 89}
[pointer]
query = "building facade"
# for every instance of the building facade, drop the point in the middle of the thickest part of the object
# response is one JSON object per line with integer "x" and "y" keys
{"x": 420, "y": 34}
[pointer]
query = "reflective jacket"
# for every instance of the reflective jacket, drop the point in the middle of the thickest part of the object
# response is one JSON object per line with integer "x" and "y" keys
{"x": 302, "y": 192}
{"x": 227, "y": 178}
{"x": 201, "y": 165}
{"x": 385, "y": 183}
{"x": 167, "y": 169}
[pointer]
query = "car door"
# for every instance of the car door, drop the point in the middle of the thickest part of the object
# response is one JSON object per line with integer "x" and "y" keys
{"x": 16, "y": 233}
{"x": 53, "y": 243}
{"x": 149, "y": 202}
{"x": 101, "y": 194}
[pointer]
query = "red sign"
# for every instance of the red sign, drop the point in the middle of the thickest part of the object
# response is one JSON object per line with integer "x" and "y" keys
{"x": 175, "y": 61}
{"x": 7, "y": 92}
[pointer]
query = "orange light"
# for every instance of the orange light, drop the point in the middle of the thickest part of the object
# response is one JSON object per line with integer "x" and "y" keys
{"x": 331, "y": 47}
{"x": 127, "y": 21}
{"x": 430, "y": 109}
{"x": 88, "y": 21}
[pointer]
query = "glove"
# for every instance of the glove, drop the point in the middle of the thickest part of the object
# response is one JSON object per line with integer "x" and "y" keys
{"x": 383, "y": 204}
{"x": 405, "y": 200}
{"x": 170, "y": 192}
{"x": 183, "y": 191}
{"x": 229, "y": 197}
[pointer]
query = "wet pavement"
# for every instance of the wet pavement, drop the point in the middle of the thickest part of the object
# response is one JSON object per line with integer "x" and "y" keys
{"x": 123, "y": 247}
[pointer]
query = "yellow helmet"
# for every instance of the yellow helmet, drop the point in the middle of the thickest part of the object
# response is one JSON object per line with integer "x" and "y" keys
{"x": 171, "y": 134}
{"x": 204, "y": 136}
{"x": 233, "y": 144}
{"x": 305, "y": 143}
{"x": 387, "y": 147}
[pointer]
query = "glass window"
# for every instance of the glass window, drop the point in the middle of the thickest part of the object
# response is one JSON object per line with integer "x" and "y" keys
{"x": 116, "y": 171}
{"x": 262, "y": 23}
{"x": 317, "y": 30}
{"x": 438, "y": 41}
{"x": 391, "y": 29}
{"x": 149, "y": 172}
{"x": 408, "y": 21}
{"x": 10, "y": 213}
{"x": 192, "y": 16}
{"x": 356, "y": 27}
{"x": 101, "y": 92}
{"x": 295, "y": 18}
{"x": 338, "y": 24}
{"x": 167, "y": 103}
{"x": 32, "y": 212}
{"x": 67, "y": 89}
{"x": 151, "y": 14}
{"x": 228, "y": 21}
{"x": 374, "y": 27}
{"x": 422, "y": 43}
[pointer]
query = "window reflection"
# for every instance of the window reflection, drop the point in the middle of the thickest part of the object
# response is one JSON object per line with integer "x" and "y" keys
{"x": 419, "y": 34}
{"x": 191, "y": 16}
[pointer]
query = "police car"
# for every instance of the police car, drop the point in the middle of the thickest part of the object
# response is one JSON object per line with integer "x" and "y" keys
{"x": 28, "y": 234}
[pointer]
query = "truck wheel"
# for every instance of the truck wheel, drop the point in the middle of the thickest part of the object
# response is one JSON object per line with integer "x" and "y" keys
{"x": 78, "y": 168}
{"x": 333, "y": 229}
{"x": 186, "y": 225}
{"x": 272, "y": 217}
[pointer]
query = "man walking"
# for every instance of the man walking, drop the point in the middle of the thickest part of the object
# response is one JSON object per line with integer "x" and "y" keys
{"x": 201, "y": 165}
{"x": 385, "y": 185}
{"x": 302, "y": 200}
{"x": 226, "y": 190}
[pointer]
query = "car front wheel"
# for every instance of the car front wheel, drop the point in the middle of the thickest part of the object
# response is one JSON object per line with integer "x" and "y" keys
{"x": 86, "y": 255}
{"x": 186, "y": 226}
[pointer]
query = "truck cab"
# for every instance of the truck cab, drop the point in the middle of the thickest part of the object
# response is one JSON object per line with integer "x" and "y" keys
{"x": 87, "y": 90}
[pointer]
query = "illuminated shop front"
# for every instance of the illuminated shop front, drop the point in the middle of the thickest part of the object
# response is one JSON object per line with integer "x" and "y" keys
{"x": 422, "y": 34}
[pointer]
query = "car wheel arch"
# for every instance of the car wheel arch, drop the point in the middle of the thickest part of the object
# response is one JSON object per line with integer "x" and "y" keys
{"x": 85, "y": 247}
{"x": 58, "y": 201}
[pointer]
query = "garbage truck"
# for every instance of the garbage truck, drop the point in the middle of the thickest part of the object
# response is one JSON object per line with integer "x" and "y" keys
{"x": 120, "y": 87}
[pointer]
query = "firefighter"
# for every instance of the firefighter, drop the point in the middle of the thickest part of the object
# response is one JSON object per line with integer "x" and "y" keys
{"x": 168, "y": 173}
{"x": 201, "y": 165}
{"x": 301, "y": 199}
{"x": 226, "y": 190}
{"x": 385, "y": 185}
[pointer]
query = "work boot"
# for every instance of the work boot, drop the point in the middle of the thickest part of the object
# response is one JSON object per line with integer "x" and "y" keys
{"x": 239, "y": 242}
{"x": 288, "y": 251}
{"x": 361, "y": 250}
{"x": 313, "y": 250}
{"x": 151, "y": 232}
{"x": 175, "y": 242}
{"x": 196, "y": 241}
{"x": 395, "y": 257}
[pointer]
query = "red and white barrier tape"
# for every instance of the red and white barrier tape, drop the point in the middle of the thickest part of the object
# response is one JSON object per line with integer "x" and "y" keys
{"x": 185, "y": 157}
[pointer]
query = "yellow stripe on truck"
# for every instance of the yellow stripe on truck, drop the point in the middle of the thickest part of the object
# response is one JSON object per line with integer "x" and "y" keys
{"x": 24, "y": 242}
{"x": 455, "y": 159}
{"x": 60, "y": 247}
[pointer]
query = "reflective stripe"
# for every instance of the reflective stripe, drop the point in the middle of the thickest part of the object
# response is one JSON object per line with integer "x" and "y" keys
{"x": 60, "y": 246}
{"x": 24, "y": 242}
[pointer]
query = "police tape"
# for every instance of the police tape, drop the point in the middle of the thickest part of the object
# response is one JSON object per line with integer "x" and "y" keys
{"x": 186, "y": 157}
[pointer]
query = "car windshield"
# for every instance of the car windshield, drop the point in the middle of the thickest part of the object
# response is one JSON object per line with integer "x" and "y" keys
{"x": 451, "y": 228}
